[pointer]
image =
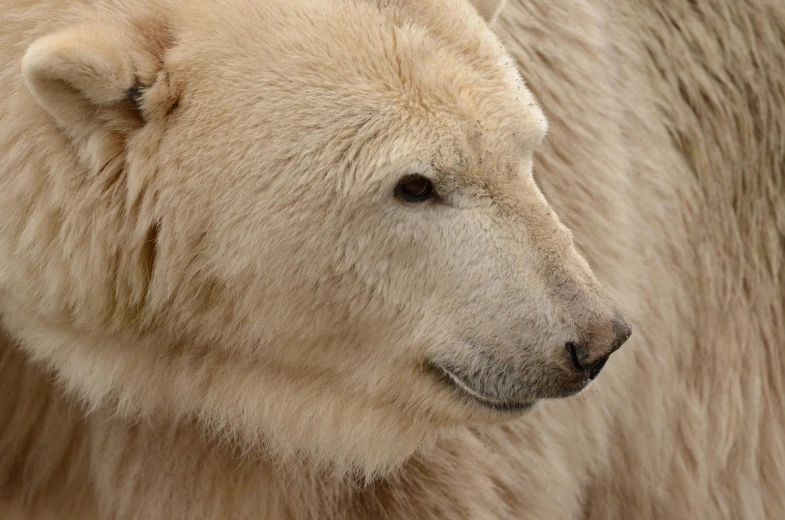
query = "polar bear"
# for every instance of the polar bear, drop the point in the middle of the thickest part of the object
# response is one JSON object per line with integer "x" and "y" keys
{"x": 309, "y": 228}
{"x": 354, "y": 313}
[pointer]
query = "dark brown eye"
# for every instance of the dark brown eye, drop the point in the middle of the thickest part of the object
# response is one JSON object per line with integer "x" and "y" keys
{"x": 415, "y": 188}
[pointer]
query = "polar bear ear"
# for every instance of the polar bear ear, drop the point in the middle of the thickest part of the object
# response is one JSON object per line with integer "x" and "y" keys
{"x": 93, "y": 80}
{"x": 488, "y": 9}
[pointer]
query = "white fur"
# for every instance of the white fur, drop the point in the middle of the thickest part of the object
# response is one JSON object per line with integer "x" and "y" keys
{"x": 226, "y": 283}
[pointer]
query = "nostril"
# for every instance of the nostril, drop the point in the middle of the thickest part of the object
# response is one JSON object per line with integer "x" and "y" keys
{"x": 597, "y": 367}
{"x": 579, "y": 356}
{"x": 575, "y": 353}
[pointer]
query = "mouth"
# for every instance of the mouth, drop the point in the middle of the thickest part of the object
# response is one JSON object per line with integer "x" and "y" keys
{"x": 454, "y": 381}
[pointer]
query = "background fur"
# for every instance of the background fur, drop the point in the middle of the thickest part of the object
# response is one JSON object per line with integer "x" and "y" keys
{"x": 665, "y": 157}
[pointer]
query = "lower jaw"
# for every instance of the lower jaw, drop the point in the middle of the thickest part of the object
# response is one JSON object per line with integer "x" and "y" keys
{"x": 508, "y": 407}
{"x": 473, "y": 396}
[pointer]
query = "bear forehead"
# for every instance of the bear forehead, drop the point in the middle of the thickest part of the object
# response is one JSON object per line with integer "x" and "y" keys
{"x": 424, "y": 63}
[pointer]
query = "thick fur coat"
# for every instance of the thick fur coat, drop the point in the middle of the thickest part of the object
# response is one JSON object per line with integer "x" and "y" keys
{"x": 664, "y": 155}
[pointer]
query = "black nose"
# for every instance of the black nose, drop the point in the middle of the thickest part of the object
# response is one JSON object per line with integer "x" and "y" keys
{"x": 591, "y": 356}
{"x": 579, "y": 355}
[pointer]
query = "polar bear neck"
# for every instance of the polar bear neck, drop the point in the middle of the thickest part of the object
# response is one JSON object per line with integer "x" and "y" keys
{"x": 64, "y": 459}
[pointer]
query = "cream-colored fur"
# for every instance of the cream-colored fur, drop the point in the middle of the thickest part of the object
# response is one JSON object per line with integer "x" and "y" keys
{"x": 489, "y": 9}
{"x": 662, "y": 156}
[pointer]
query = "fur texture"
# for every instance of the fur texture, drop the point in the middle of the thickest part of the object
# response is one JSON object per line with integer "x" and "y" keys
{"x": 664, "y": 156}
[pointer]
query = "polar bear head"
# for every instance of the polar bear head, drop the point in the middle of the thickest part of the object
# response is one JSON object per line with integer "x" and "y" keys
{"x": 310, "y": 225}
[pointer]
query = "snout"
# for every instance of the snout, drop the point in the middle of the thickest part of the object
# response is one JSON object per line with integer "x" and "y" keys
{"x": 589, "y": 355}
{"x": 509, "y": 386}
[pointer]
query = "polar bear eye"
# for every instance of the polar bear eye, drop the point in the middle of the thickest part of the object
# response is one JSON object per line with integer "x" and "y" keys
{"x": 415, "y": 189}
